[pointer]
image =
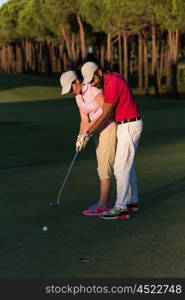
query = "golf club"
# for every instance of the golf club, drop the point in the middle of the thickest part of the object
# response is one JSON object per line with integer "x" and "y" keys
{"x": 61, "y": 189}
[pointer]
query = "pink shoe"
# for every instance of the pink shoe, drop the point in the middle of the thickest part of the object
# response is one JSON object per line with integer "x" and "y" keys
{"x": 96, "y": 209}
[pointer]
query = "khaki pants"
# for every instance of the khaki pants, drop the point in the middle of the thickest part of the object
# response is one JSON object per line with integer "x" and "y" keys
{"x": 105, "y": 143}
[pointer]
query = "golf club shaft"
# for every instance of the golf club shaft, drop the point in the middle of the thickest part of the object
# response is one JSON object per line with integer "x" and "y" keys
{"x": 71, "y": 165}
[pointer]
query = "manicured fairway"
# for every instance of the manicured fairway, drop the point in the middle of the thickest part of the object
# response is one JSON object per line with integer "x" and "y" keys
{"x": 38, "y": 130}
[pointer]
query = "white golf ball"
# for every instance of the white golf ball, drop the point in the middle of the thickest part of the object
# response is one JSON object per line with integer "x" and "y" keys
{"x": 45, "y": 228}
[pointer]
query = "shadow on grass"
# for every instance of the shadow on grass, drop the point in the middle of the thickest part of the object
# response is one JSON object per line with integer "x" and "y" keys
{"x": 156, "y": 197}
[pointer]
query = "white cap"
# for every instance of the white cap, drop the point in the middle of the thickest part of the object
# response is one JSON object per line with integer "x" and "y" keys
{"x": 66, "y": 80}
{"x": 88, "y": 70}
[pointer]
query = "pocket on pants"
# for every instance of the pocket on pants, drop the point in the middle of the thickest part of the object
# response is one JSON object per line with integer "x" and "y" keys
{"x": 135, "y": 129}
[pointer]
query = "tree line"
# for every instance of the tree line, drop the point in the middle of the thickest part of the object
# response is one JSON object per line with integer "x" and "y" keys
{"x": 143, "y": 38}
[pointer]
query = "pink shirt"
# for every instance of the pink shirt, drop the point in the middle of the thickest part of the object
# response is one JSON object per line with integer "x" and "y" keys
{"x": 87, "y": 101}
{"x": 116, "y": 90}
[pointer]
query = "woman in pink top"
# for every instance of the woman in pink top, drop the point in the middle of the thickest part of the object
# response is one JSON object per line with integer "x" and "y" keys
{"x": 90, "y": 101}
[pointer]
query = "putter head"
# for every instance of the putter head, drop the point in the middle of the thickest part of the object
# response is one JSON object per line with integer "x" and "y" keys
{"x": 55, "y": 205}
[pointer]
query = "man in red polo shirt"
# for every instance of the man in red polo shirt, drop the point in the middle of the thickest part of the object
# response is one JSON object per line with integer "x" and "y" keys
{"x": 118, "y": 99}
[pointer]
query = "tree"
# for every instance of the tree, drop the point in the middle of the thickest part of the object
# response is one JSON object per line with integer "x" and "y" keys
{"x": 100, "y": 15}
{"x": 9, "y": 35}
{"x": 170, "y": 14}
{"x": 66, "y": 19}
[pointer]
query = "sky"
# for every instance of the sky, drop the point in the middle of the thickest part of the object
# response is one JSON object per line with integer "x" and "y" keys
{"x": 2, "y": 1}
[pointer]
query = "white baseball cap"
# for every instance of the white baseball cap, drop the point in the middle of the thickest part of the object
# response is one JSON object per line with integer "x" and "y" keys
{"x": 88, "y": 70}
{"x": 66, "y": 80}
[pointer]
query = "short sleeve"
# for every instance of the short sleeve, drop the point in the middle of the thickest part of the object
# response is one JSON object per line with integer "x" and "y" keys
{"x": 95, "y": 91}
{"x": 111, "y": 91}
{"x": 79, "y": 100}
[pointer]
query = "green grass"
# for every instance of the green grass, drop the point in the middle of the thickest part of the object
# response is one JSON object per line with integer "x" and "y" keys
{"x": 38, "y": 131}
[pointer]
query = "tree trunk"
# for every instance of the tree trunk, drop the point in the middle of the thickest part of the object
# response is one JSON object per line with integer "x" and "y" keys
{"x": 146, "y": 68}
{"x": 8, "y": 59}
{"x": 22, "y": 57}
{"x": 65, "y": 60}
{"x": 102, "y": 54}
{"x": 35, "y": 57}
{"x": 73, "y": 48}
{"x": 26, "y": 44}
{"x": 82, "y": 38}
{"x": 5, "y": 58}
{"x": 17, "y": 55}
{"x": 68, "y": 47}
{"x": 120, "y": 53}
{"x": 47, "y": 59}
{"x": 140, "y": 61}
{"x": 167, "y": 71}
{"x": 108, "y": 60}
{"x": 125, "y": 60}
{"x": 30, "y": 55}
{"x": 61, "y": 55}
{"x": 132, "y": 56}
{"x": 154, "y": 61}
{"x": 41, "y": 60}
{"x": 55, "y": 55}
{"x": 173, "y": 39}
{"x": 14, "y": 57}
{"x": 161, "y": 67}
{"x": 78, "y": 52}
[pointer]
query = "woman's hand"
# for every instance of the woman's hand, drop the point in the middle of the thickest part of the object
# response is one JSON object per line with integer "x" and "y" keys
{"x": 82, "y": 141}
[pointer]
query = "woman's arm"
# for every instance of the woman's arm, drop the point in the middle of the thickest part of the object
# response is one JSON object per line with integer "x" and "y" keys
{"x": 83, "y": 122}
{"x": 100, "y": 99}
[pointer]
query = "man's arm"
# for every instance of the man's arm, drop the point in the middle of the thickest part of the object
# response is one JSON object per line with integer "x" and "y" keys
{"x": 107, "y": 111}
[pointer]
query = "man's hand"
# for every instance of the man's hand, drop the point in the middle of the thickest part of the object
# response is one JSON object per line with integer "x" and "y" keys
{"x": 108, "y": 109}
{"x": 82, "y": 141}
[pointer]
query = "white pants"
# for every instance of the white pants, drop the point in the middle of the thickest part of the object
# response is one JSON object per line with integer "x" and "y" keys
{"x": 128, "y": 136}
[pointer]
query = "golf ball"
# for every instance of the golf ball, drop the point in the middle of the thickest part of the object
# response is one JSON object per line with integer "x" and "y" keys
{"x": 45, "y": 228}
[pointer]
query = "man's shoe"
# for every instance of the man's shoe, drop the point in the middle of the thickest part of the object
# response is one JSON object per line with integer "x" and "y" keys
{"x": 96, "y": 209}
{"x": 115, "y": 213}
{"x": 132, "y": 207}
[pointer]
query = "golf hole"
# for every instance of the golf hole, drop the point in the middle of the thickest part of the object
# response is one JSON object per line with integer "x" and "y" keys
{"x": 86, "y": 259}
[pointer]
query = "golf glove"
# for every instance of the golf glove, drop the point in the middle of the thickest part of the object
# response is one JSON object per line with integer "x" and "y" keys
{"x": 82, "y": 141}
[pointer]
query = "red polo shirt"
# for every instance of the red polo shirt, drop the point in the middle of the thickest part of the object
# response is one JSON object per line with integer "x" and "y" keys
{"x": 116, "y": 90}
